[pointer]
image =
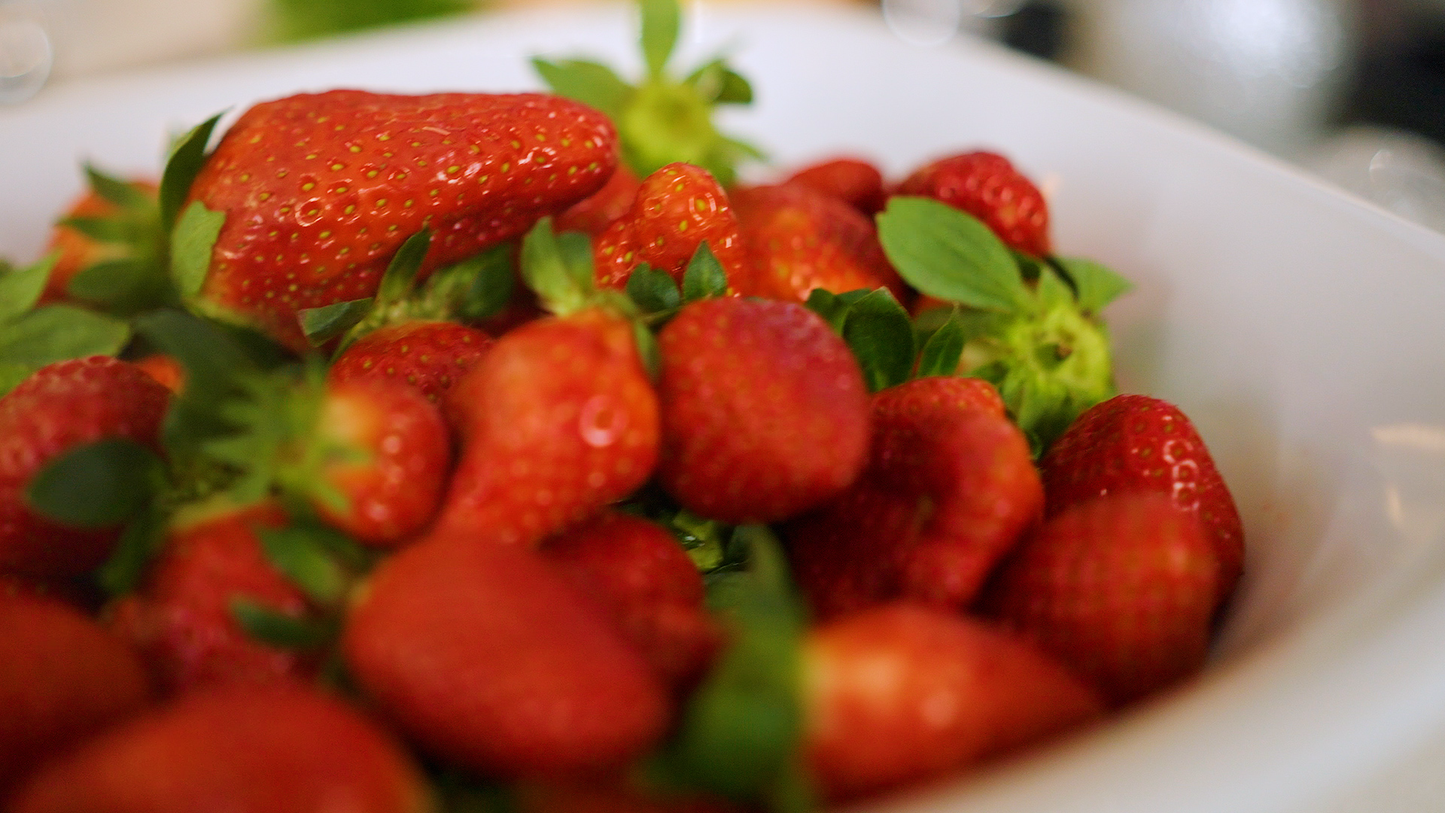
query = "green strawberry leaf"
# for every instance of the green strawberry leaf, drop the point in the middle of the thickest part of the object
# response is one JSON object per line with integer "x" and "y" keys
{"x": 1052, "y": 291}
{"x": 124, "y": 286}
{"x": 20, "y": 288}
{"x": 942, "y": 351}
{"x": 550, "y": 267}
{"x": 704, "y": 276}
{"x": 1096, "y": 284}
{"x": 307, "y": 555}
{"x": 191, "y": 243}
{"x": 12, "y": 374}
{"x": 58, "y": 332}
{"x": 653, "y": 291}
{"x": 97, "y": 485}
{"x": 830, "y": 306}
{"x": 322, "y": 325}
{"x": 121, "y": 193}
{"x": 880, "y": 334}
{"x": 648, "y": 351}
{"x": 490, "y": 283}
{"x": 951, "y": 255}
{"x": 400, "y": 277}
{"x": 140, "y": 542}
{"x": 278, "y": 629}
{"x": 661, "y": 22}
{"x": 720, "y": 84}
{"x": 187, "y": 157}
{"x": 588, "y": 82}
{"x": 101, "y": 229}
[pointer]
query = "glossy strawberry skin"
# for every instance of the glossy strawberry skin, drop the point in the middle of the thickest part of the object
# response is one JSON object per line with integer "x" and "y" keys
{"x": 648, "y": 585}
{"x": 489, "y": 659}
{"x": 902, "y": 693}
{"x": 59, "y": 407}
{"x": 798, "y": 239}
{"x": 856, "y": 182}
{"x": 64, "y": 678}
{"x": 277, "y": 749}
{"x": 558, "y": 420}
{"x": 1121, "y": 588}
{"x": 987, "y": 186}
{"x": 949, "y": 489}
{"x": 1141, "y": 443}
{"x": 320, "y": 190}
{"x": 392, "y": 494}
{"x": 429, "y": 356}
{"x": 676, "y": 209}
{"x": 764, "y": 410}
{"x": 593, "y": 214}
{"x": 181, "y": 620}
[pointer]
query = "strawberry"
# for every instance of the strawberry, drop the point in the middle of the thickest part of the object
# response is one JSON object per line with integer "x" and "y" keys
{"x": 274, "y": 749}
{"x": 109, "y": 247}
{"x": 430, "y": 356}
{"x": 676, "y": 209}
{"x": 764, "y": 410}
{"x": 648, "y": 584}
{"x": 987, "y": 186}
{"x": 852, "y": 180}
{"x": 558, "y": 420}
{"x": 1121, "y": 588}
{"x": 163, "y": 368}
{"x": 949, "y": 488}
{"x": 595, "y": 797}
{"x": 592, "y": 215}
{"x": 798, "y": 239}
{"x": 64, "y": 677}
{"x": 490, "y": 660}
{"x": 56, "y": 409}
{"x": 902, "y": 693}
{"x": 183, "y": 619}
{"x": 1140, "y": 443}
{"x": 319, "y": 191}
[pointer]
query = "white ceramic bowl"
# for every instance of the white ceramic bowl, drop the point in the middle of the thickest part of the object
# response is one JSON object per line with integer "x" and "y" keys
{"x": 1301, "y": 329}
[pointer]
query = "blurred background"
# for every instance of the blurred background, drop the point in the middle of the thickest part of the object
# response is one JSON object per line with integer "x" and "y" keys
{"x": 1351, "y": 90}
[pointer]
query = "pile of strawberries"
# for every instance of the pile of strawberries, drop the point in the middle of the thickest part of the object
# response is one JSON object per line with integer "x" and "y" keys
{"x": 450, "y": 464}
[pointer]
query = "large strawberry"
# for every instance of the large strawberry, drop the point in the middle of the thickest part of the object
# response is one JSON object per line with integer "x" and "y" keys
{"x": 764, "y": 410}
{"x": 853, "y": 180}
{"x": 902, "y": 693}
{"x": 1121, "y": 588}
{"x": 593, "y": 214}
{"x": 428, "y": 355}
{"x": 318, "y": 191}
{"x": 57, "y": 409}
{"x": 987, "y": 186}
{"x": 1142, "y": 443}
{"x": 244, "y": 749}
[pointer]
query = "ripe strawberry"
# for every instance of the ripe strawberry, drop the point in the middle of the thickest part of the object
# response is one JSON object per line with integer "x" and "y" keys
{"x": 798, "y": 239}
{"x": 650, "y": 587}
{"x": 1139, "y": 443}
{"x": 764, "y": 410}
{"x": 987, "y": 186}
{"x": 274, "y": 749}
{"x": 430, "y": 356}
{"x": 596, "y": 797}
{"x": 64, "y": 677}
{"x": 854, "y": 181}
{"x": 319, "y": 191}
{"x": 1121, "y": 588}
{"x": 490, "y": 660}
{"x": 116, "y": 223}
{"x": 182, "y": 619}
{"x": 558, "y": 420}
{"x": 165, "y": 369}
{"x": 950, "y": 487}
{"x": 676, "y": 209}
{"x": 902, "y": 693}
{"x": 592, "y": 215}
{"x": 59, "y": 407}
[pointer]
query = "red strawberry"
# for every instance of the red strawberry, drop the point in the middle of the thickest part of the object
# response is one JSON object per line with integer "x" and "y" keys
{"x": 1139, "y": 443}
{"x": 319, "y": 191}
{"x": 852, "y": 180}
{"x": 987, "y": 186}
{"x": 489, "y": 659}
{"x": 592, "y": 215}
{"x": 798, "y": 239}
{"x": 128, "y": 209}
{"x": 182, "y": 619}
{"x": 165, "y": 369}
{"x": 1121, "y": 588}
{"x": 676, "y": 209}
{"x": 430, "y": 356}
{"x": 901, "y": 693}
{"x": 764, "y": 410}
{"x": 553, "y": 797}
{"x": 950, "y": 487}
{"x": 64, "y": 677}
{"x": 243, "y": 749}
{"x": 558, "y": 420}
{"x": 648, "y": 584}
{"x": 59, "y": 407}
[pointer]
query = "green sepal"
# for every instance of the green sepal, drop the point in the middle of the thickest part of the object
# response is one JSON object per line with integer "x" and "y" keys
{"x": 944, "y": 348}
{"x": 653, "y": 291}
{"x": 720, "y": 84}
{"x": 124, "y": 286}
{"x": 661, "y": 22}
{"x": 951, "y": 255}
{"x": 114, "y": 190}
{"x": 880, "y": 334}
{"x": 58, "y": 332}
{"x": 704, "y": 276}
{"x": 139, "y": 544}
{"x": 97, "y": 485}
{"x": 586, "y": 81}
{"x": 648, "y": 350}
{"x": 12, "y": 374}
{"x": 191, "y": 242}
{"x": 187, "y": 156}
{"x": 20, "y": 288}
{"x": 101, "y": 229}
{"x": 558, "y": 268}
{"x": 399, "y": 280}
{"x": 278, "y": 629}
{"x": 321, "y": 561}
{"x": 324, "y": 324}
{"x": 1096, "y": 284}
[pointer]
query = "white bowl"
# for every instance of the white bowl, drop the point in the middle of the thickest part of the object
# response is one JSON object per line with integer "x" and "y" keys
{"x": 1301, "y": 329}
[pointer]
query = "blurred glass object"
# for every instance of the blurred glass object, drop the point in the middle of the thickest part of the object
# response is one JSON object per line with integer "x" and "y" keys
{"x": 1398, "y": 170}
{"x": 26, "y": 55}
{"x": 934, "y": 22}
